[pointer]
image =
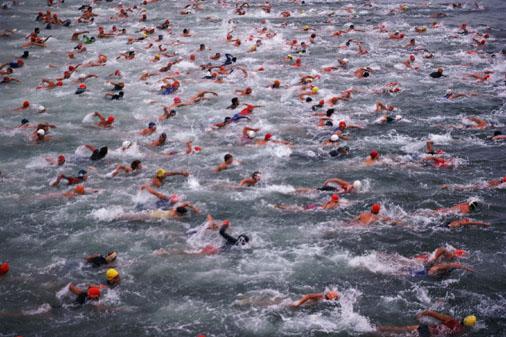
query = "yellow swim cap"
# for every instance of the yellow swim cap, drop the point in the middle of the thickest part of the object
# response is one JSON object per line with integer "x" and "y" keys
{"x": 160, "y": 173}
{"x": 314, "y": 90}
{"x": 306, "y": 27}
{"x": 470, "y": 320}
{"x": 290, "y": 56}
{"x": 111, "y": 274}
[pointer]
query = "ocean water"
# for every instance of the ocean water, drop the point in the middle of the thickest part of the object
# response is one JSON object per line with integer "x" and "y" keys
{"x": 246, "y": 292}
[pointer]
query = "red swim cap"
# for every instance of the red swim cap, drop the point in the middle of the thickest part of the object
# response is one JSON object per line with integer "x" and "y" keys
{"x": 375, "y": 208}
{"x": 504, "y": 179}
{"x": 177, "y": 100}
{"x": 335, "y": 197}
{"x": 93, "y": 292}
{"x": 82, "y": 86}
{"x": 110, "y": 119}
{"x": 226, "y": 222}
{"x": 267, "y": 136}
{"x": 459, "y": 252}
{"x": 72, "y": 68}
{"x": 197, "y": 148}
{"x": 59, "y": 84}
{"x": 26, "y": 104}
{"x": 342, "y": 124}
{"x": 322, "y": 102}
{"x": 4, "y": 268}
{"x": 61, "y": 158}
{"x": 412, "y": 57}
{"x": 192, "y": 57}
{"x": 374, "y": 154}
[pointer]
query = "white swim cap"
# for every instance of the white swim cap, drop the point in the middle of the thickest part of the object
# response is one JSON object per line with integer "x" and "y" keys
{"x": 251, "y": 134}
{"x": 81, "y": 76}
{"x": 334, "y": 138}
{"x": 126, "y": 144}
{"x": 131, "y": 49}
{"x": 357, "y": 185}
{"x": 42, "y": 108}
{"x": 398, "y": 117}
{"x": 41, "y": 132}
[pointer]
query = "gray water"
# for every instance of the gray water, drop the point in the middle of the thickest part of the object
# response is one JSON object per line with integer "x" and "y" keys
{"x": 245, "y": 292}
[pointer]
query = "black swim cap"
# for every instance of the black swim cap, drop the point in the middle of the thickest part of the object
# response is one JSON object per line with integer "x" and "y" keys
{"x": 366, "y": 74}
{"x": 309, "y": 99}
{"x": 329, "y": 123}
{"x": 242, "y": 239}
{"x": 181, "y": 210}
{"x": 135, "y": 164}
{"x": 496, "y": 133}
{"x": 24, "y": 121}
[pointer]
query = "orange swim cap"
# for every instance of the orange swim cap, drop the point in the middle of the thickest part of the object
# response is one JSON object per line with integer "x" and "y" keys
{"x": 459, "y": 252}
{"x": 79, "y": 189}
{"x": 4, "y": 268}
{"x": 375, "y": 208}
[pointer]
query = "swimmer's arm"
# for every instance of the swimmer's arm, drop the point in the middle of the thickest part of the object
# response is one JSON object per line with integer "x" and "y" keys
{"x": 74, "y": 289}
{"x": 157, "y": 194}
{"x": 90, "y": 147}
{"x": 467, "y": 222}
{"x": 230, "y": 239}
{"x": 429, "y": 313}
{"x": 306, "y": 298}
{"x": 100, "y": 116}
{"x": 175, "y": 173}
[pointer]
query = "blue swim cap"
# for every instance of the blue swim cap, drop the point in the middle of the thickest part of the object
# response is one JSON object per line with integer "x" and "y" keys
{"x": 82, "y": 173}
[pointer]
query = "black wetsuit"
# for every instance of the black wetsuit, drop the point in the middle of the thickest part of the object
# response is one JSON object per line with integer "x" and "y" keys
{"x": 230, "y": 59}
{"x": 230, "y": 241}
{"x": 81, "y": 298}
{"x": 99, "y": 154}
{"x": 97, "y": 261}
{"x": 436, "y": 74}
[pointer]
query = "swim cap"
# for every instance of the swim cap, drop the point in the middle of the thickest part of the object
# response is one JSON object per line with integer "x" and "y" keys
{"x": 268, "y": 136}
{"x": 110, "y": 119}
{"x": 197, "y": 149}
{"x": 177, "y": 100}
{"x": 41, "y": 132}
{"x": 93, "y": 292}
{"x": 126, "y": 144}
{"x": 79, "y": 189}
{"x": 226, "y": 222}
{"x": 151, "y": 124}
{"x": 24, "y": 121}
{"x": 61, "y": 157}
{"x": 82, "y": 173}
{"x": 290, "y": 56}
{"x": 470, "y": 320}
{"x": 504, "y": 179}
{"x": 306, "y": 27}
{"x": 111, "y": 274}
{"x": 251, "y": 134}
{"x": 82, "y": 76}
{"x": 26, "y": 104}
{"x": 332, "y": 295}
{"x": 342, "y": 125}
{"x": 59, "y": 84}
{"x": 131, "y": 49}
{"x": 334, "y": 138}
{"x": 314, "y": 90}
{"x": 375, "y": 208}
{"x": 335, "y": 197}
{"x": 160, "y": 173}
{"x": 374, "y": 154}
{"x": 4, "y": 268}
{"x": 357, "y": 185}
{"x": 459, "y": 252}
{"x": 82, "y": 86}
{"x": 321, "y": 102}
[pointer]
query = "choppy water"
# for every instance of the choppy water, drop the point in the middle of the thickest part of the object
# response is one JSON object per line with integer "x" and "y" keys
{"x": 246, "y": 292}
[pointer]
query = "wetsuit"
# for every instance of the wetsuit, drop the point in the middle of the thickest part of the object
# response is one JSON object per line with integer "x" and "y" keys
{"x": 230, "y": 59}
{"x": 99, "y": 154}
{"x": 237, "y": 117}
{"x": 436, "y": 75}
{"x": 14, "y": 65}
{"x": 168, "y": 91}
{"x": 116, "y": 97}
{"x": 81, "y": 298}
{"x": 327, "y": 188}
{"x": 97, "y": 261}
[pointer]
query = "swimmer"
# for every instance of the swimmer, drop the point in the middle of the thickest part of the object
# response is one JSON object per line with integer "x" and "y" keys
{"x": 160, "y": 141}
{"x": 330, "y": 295}
{"x": 462, "y": 208}
{"x": 60, "y": 160}
{"x": 179, "y": 211}
{"x": 112, "y": 277}
{"x": 167, "y": 113}
{"x": 114, "y": 96}
{"x": 96, "y": 153}
{"x": 372, "y": 159}
{"x": 467, "y": 222}
{"x": 92, "y": 293}
{"x": 149, "y": 130}
{"x": 82, "y": 176}
{"x": 252, "y": 180}
{"x": 134, "y": 167}
{"x": 346, "y": 187}
{"x": 228, "y": 161}
{"x": 104, "y": 122}
{"x": 98, "y": 260}
{"x": 446, "y": 326}
{"x": 493, "y": 183}
{"x": 159, "y": 179}
{"x": 438, "y": 73}
{"x": 368, "y": 218}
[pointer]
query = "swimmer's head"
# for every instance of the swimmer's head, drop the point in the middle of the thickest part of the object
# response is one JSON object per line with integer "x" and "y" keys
{"x": 228, "y": 158}
{"x": 375, "y": 208}
{"x": 126, "y": 144}
{"x": 177, "y": 100}
{"x": 331, "y": 295}
{"x": 342, "y": 125}
{"x": 181, "y": 210}
{"x": 41, "y": 132}
{"x": 251, "y": 134}
{"x": 242, "y": 239}
{"x": 81, "y": 173}
{"x": 152, "y": 125}
{"x": 26, "y": 104}
{"x": 136, "y": 164}
{"x": 110, "y": 119}
{"x": 335, "y": 197}
{"x": 24, "y": 121}
{"x": 357, "y": 185}
{"x": 469, "y": 321}
{"x": 334, "y": 138}
{"x": 256, "y": 175}
{"x": 267, "y": 136}
{"x": 366, "y": 74}
{"x": 160, "y": 173}
{"x": 374, "y": 154}
{"x": 61, "y": 160}
{"x": 473, "y": 205}
{"x": 315, "y": 90}
{"x": 330, "y": 112}
{"x": 79, "y": 189}
{"x": 82, "y": 86}
{"x": 93, "y": 293}
{"x": 329, "y": 123}
{"x": 111, "y": 256}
